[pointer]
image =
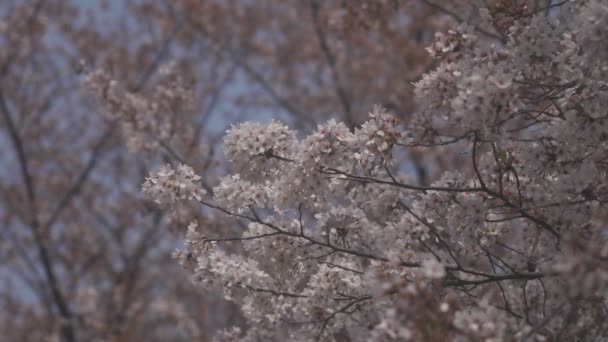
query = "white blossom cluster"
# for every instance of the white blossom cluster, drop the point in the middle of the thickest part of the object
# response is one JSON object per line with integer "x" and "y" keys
{"x": 382, "y": 131}
{"x": 250, "y": 144}
{"x": 168, "y": 185}
{"x": 339, "y": 244}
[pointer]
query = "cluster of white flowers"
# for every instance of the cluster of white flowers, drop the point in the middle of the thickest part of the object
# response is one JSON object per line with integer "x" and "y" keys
{"x": 337, "y": 236}
{"x": 255, "y": 150}
{"x": 168, "y": 185}
{"x": 239, "y": 195}
{"x": 380, "y": 133}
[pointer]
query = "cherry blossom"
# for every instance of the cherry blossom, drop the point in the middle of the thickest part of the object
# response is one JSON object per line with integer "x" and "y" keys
{"x": 338, "y": 241}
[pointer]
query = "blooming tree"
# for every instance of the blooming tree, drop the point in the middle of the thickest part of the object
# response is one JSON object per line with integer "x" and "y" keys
{"x": 82, "y": 257}
{"x": 348, "y": 231}
{"x": 340, "y": 243}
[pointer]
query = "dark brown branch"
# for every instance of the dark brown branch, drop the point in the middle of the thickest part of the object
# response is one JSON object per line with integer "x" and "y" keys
{"x": 245, "y": 238}
{"x": 275, "y": 293}
{"x": 490, "y": 278}
{"x": 364, "y": 179}
{"x": 337, "y": 249}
